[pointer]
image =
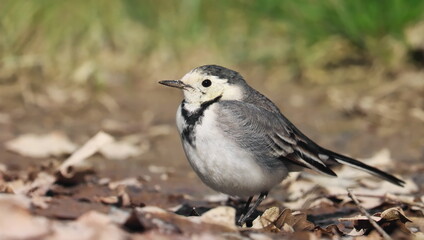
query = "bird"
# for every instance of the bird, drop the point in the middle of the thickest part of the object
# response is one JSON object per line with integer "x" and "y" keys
{"x": 238, "y": 141}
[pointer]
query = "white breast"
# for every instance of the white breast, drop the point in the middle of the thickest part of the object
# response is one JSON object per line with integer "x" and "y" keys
{"x": 222, "y": 164}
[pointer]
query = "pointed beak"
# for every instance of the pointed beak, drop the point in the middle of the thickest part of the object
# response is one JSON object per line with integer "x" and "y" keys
{"x": 174, "y": 83}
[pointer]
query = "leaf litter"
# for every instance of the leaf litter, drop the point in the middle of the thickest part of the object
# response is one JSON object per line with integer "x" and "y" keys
{"x": 69, "y": 200}
{"x": 41, "y": 146}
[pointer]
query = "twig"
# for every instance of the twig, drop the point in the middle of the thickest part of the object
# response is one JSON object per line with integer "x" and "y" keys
{"x": 358, "y": 195}
{"x": 372, "y": 221}
{"x": 384, "y": 197}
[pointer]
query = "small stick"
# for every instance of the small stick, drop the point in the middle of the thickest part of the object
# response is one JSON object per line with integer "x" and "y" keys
{"x": 358, "y": 195}
{"x": 372, "y": 221}
{"x": 415, "y": 204}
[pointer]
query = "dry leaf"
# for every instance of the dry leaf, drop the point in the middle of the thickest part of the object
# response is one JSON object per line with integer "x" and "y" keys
{"x": 259, "y": 236}
{"x": 394, "y": 214}
{"x": 416, "y": 222}
{"x": 154, "y": 218}
{"x": 220, "y": 215}
{"x": 118, "y": 215}
{"x": 156, "y": 169}
{"x": 90, "y": 226}
{"x": 17, "y": 185}
{"x": 120, "y": 150}
{"x": 355, "y": 232}
{"x": 4, "y": 188}
{"x": 160, "y": 130}
{"x": 16, "y": 222}
{"x": 41, "y": 146}
{"x": 102, "y": 226}
{"x": 40, "y": 201}
{"x": 287, "y": 220}
{"x": 391, "y": 220}
{"x": 109, "y": 200}
{"x": 298, "y": 221}
{"x": 126, "y": 182}
{"x": 268, "y": 219}
{"x": 40, "y": 185}
{"x": 91, "y": 147}
{"x": 381, "y": 159}
{"x": 359, "y": 218}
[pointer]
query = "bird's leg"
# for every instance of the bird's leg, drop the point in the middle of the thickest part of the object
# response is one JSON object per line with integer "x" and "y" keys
{"x": 246, "y": 207}
{"x": 244, "y": 217}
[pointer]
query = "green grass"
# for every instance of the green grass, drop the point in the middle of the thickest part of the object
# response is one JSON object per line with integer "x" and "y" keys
{"x": 354, "y": 20}
{"x": 64, "y": 35}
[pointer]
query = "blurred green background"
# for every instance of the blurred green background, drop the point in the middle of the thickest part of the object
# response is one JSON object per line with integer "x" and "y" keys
{"x": 88, "y": 41}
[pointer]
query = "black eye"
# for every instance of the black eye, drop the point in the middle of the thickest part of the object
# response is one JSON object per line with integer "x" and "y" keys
{"x": 206, "y": 83}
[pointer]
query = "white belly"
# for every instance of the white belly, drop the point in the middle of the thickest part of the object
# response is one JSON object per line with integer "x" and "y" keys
{"x": 222, "y": 164}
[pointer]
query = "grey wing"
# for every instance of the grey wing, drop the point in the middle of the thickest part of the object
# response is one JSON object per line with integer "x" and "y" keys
{"x": 269, "y": 135}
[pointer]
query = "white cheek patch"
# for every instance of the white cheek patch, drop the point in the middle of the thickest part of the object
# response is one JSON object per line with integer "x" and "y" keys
{"x": 232, "y": 92}
{"x": 228, "y": 91}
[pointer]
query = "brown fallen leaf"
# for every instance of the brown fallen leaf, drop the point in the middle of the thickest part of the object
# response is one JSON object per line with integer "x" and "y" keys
{"x": 330, "y": 232}
{"x": 141, "y": 197}
{"x": 417, "y": 223}
{"x": 268, "y": 220}
{"x": 70, "y": 165}
{"x": 272, "y": 220}
{"x": 40, "y": 185}
{"x": 158, "y": 169}
{"x": 154, "y": 218}
{"x": 16, "y": 185}
{"x": 41, "y": 146}
{"x": 16, "y": 221}
{"x": 124, "y": 198}
{"x": 394, "y": 214}
{"x": 390, "y": 220}
{"x": 159, "y": 130}
{"x": 67, "y": 208}
{"x": 40, "y": 201}
{"x": 119, "y": 215}
{"x": 102, "y": 225}
{"x": 120, "y": 150}
{"x": 221, "y": 215}
{"x": 135, "y": 182}
{"x": 90, "y": 226}
{"x": 4, "y": 188}
{"x": 111, "y": 200}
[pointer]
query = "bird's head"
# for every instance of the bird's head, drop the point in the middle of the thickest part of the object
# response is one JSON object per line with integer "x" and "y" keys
{"x": 208, "y": 82}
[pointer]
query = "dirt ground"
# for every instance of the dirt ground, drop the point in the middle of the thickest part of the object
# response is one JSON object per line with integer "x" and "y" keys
{"x": 118, "y": 194}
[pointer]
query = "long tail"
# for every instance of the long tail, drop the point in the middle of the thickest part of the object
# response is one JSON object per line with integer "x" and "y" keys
{"x": 364, "y": 167}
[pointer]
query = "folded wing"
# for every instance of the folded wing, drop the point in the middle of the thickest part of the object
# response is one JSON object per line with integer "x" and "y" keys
{"x": 271, "y": 136}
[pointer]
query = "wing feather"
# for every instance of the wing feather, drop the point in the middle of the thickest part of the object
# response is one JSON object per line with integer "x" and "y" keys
{"x": 272, "y": 138}
{"x": 267, "y": 135}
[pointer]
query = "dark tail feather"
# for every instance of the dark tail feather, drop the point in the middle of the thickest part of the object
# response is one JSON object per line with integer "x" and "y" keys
{"x": 364, "y": 167}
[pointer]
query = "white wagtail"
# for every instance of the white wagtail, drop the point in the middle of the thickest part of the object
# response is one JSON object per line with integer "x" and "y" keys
{"x": 239, "y": 143}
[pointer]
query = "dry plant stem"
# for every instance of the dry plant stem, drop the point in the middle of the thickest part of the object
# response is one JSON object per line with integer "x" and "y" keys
{"x": 372, "y": 221}
{"x": 384, "y": 197}
{"x": 358, "y": 195}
